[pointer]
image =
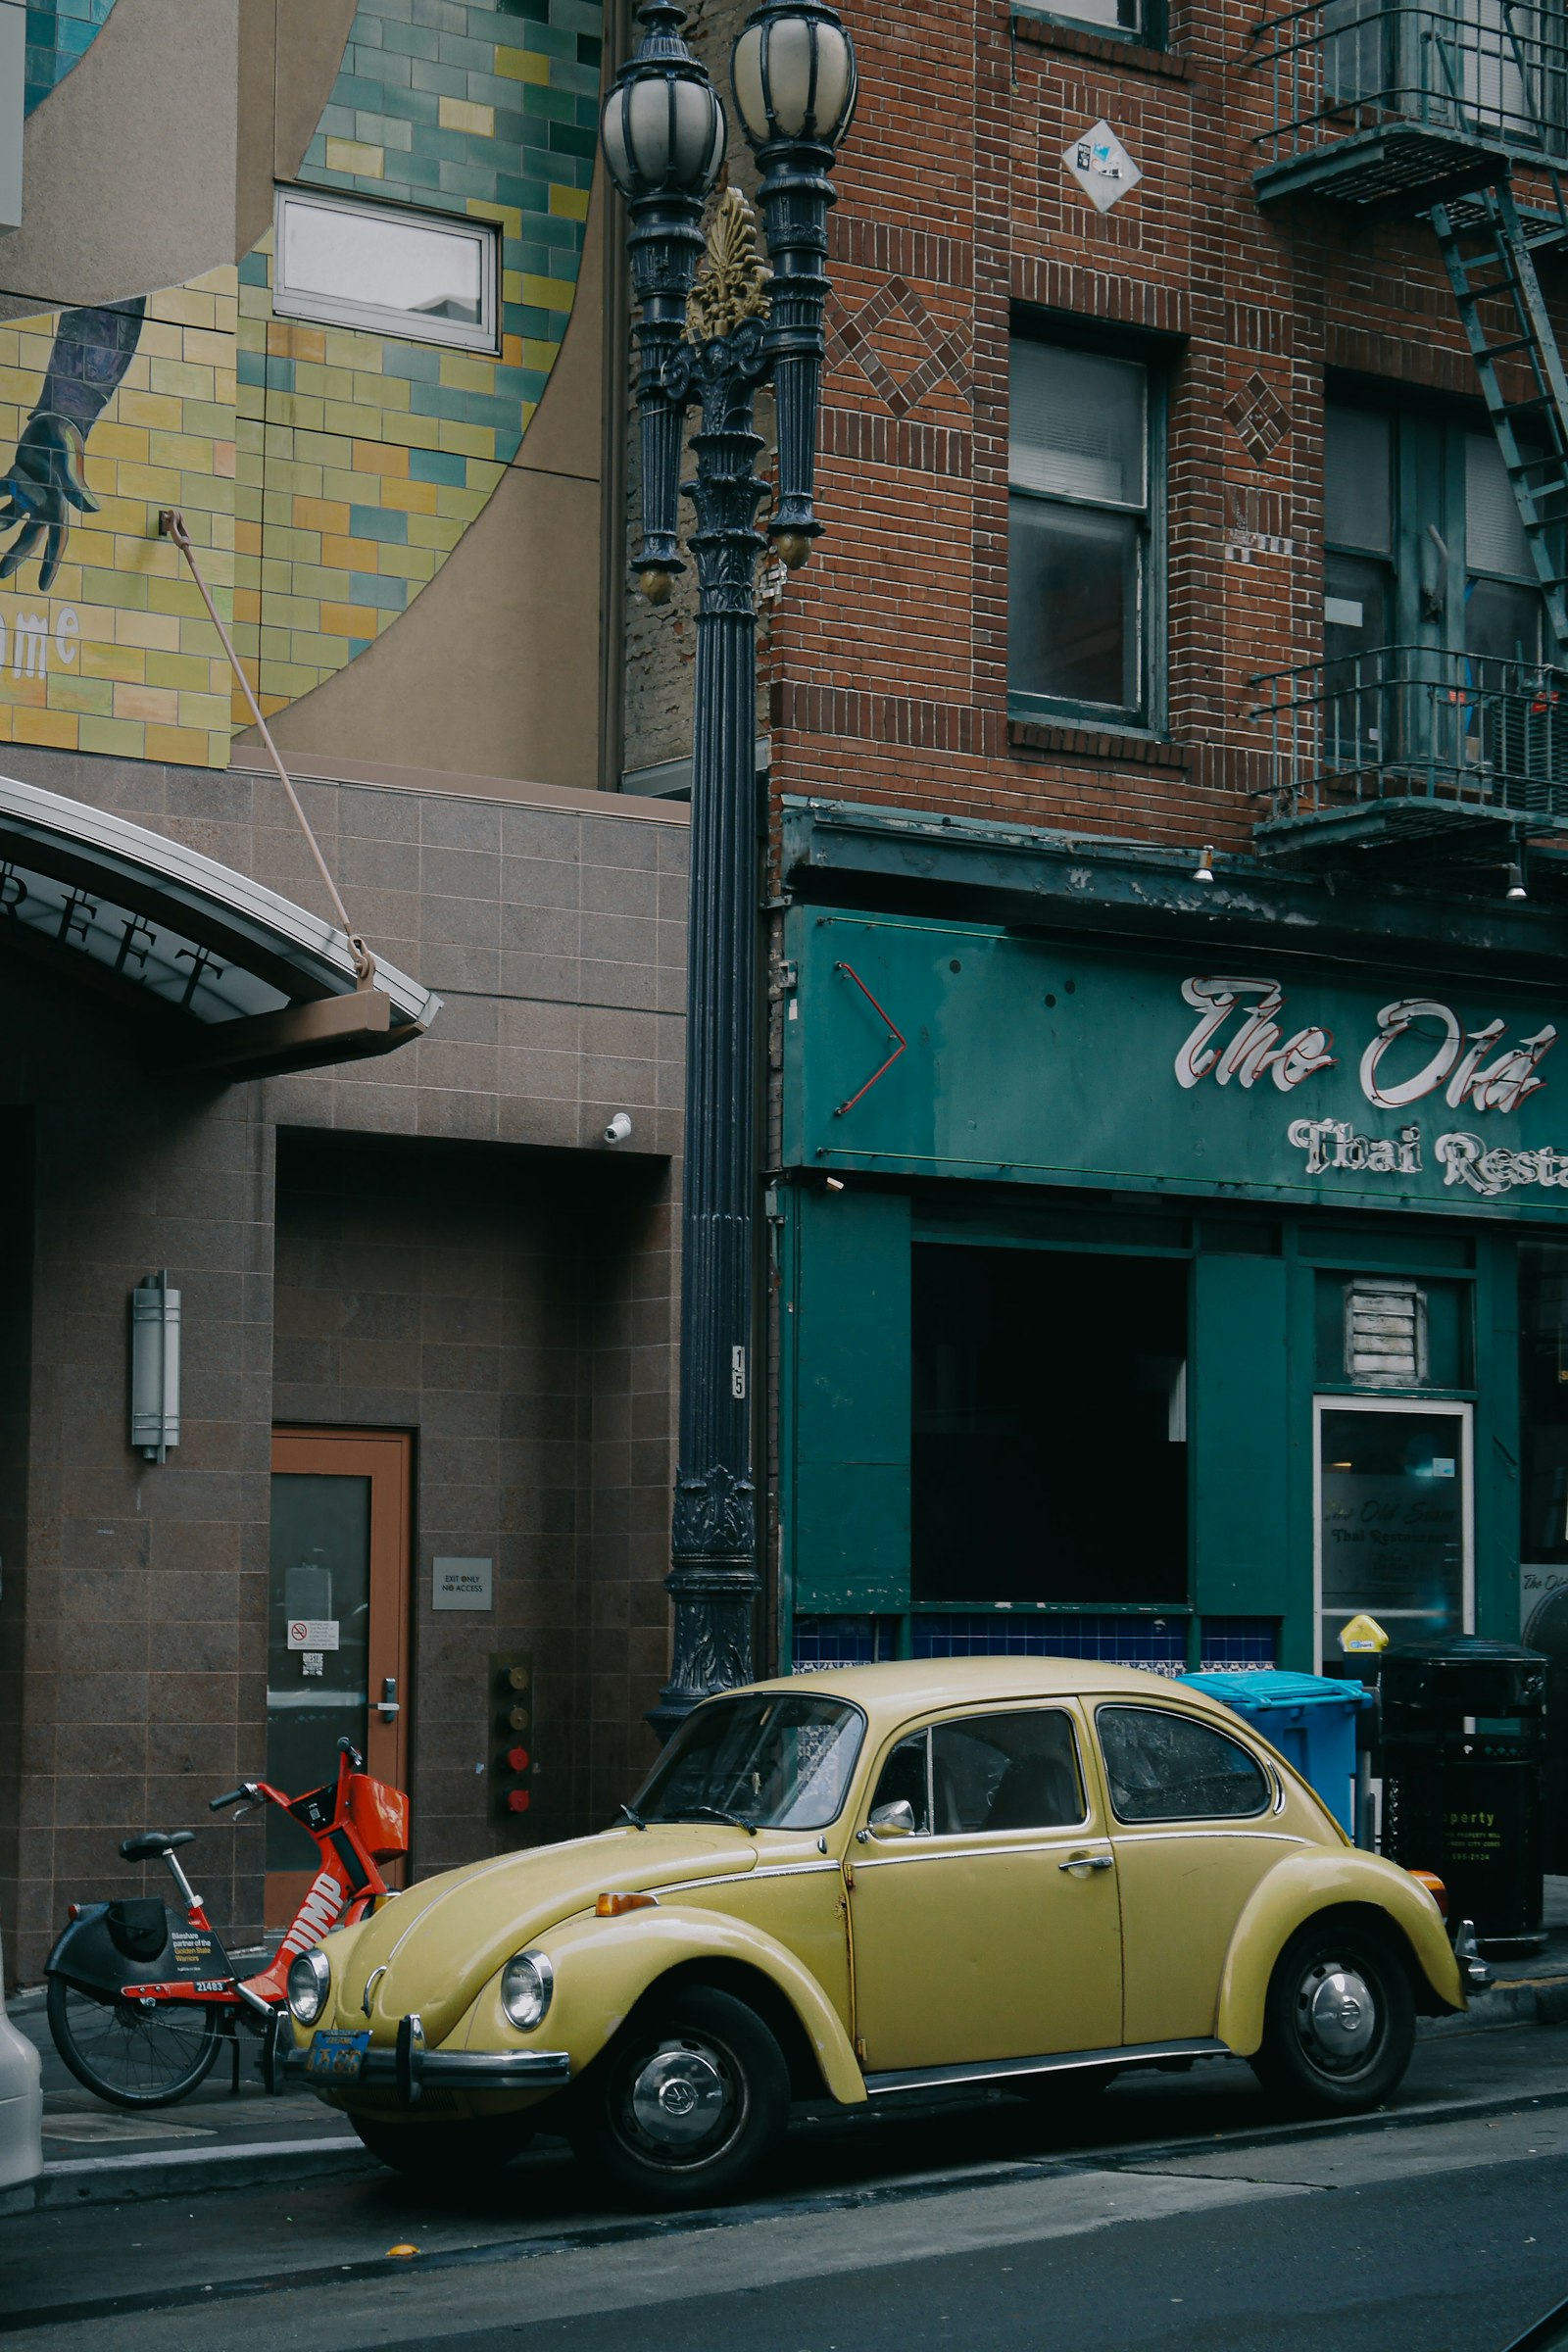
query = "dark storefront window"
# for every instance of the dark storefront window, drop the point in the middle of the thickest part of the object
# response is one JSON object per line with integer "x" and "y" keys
{"x": 1543, "y": 1406}
{"x": 1050, "y": 1454}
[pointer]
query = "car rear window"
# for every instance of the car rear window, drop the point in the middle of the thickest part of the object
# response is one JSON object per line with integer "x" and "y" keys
{"x": 1162, "y": 1766}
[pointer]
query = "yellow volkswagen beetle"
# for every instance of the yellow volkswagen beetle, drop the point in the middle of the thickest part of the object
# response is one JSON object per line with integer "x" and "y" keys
{"x": 852, "y": 1883}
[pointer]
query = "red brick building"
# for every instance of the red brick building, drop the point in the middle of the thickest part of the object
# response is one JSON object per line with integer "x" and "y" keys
{"x": 1164, "y": 1165}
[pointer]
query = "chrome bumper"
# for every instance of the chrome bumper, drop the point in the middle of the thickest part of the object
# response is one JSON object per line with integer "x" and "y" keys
{"x": 1474, "y": 1973}
{"x": 409, "y": 2067}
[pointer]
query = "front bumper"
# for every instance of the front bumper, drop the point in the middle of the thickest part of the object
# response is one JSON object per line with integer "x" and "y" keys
{"x": 409, "y": 2067}
{"x": 1474, "y": 1973}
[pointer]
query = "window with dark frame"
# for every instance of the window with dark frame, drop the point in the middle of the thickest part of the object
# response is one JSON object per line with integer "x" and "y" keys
{"x": 1140, "y": 21}
{"x": 1078, "y": 532}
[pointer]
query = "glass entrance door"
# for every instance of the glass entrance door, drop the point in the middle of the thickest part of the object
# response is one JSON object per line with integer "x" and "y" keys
{"x": 337, "y": 1626}
{"x": 1394, "y": 1519}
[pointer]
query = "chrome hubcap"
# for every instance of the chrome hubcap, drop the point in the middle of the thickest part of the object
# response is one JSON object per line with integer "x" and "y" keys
{"x": 1335, "y": 2015}
{"x": 682, "y": 2097}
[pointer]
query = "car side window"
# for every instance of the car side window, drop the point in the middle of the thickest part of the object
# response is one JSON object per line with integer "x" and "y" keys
{"x": 904, "y": 1779}
{"x": 1006, "y": 1771}
{"x": 1167, "y": 1767}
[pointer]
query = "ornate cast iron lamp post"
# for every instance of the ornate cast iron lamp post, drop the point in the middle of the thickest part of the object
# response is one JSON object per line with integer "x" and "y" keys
{"x": 712, "y": 325}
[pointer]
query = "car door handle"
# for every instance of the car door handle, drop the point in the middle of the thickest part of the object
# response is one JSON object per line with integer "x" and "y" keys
{"x": 1088, "y": 1862}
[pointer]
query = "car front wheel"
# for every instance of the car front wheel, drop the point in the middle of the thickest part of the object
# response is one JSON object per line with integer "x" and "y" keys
{"x": 1339, "y": 2021}
{"x": 687, "y": 2100}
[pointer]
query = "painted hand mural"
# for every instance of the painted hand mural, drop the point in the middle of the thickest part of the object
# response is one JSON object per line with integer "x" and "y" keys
{"x": 327, "y": 470}
{"x": 44, "y": 482}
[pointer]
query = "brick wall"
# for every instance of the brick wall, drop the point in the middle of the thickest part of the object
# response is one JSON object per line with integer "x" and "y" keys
{"x": 887, "y": 662}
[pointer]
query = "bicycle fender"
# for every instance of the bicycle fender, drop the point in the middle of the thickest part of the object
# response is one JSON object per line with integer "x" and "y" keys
{"x": 92, "y": 1953}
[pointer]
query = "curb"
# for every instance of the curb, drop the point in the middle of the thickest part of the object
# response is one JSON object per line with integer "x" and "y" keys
{"x": 1518, "y": 2002}
{"x": 119, "y": 2180}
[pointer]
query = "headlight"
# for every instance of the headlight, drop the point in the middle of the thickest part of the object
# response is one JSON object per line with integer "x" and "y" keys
{"x": 310, "y": 1980}
{"x": 527, "y": 1984}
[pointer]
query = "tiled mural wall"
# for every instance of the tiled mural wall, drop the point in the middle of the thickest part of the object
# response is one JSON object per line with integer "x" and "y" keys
{"x": 60, "y": 32}
{"x": 361, "y": 457}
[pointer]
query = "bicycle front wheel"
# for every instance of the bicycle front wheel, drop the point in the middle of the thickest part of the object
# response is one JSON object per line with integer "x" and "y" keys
{"x": 131, "y": 2056}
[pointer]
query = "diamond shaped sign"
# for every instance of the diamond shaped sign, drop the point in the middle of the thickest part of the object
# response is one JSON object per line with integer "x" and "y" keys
{"x": 1101, "y": 166}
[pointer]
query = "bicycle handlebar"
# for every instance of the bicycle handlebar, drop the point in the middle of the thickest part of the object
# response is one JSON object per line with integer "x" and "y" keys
{"x": 246, "y": 1792}
{"x": 345, "y": 1747}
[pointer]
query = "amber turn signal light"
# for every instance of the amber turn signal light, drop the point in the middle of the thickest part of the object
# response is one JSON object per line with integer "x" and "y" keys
{"x": 611, "y": 1906}
{"x": 1435, "y": 1888}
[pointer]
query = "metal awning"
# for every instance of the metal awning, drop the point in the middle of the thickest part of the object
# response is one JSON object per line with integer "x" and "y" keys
{"x": 228, "y": 976}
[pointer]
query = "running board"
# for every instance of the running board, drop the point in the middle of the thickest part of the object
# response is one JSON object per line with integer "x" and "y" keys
{"x": 1009, "y": 2069}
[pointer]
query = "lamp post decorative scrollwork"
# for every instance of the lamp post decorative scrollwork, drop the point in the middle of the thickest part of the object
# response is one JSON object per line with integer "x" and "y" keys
{"x": 714, "y": 323}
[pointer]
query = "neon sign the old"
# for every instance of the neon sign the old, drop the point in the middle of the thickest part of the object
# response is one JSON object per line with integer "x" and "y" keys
{"x": 1239, "y": 1038}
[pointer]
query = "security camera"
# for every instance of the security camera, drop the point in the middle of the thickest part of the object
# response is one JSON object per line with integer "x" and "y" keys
{"x": 619, "y": 1129}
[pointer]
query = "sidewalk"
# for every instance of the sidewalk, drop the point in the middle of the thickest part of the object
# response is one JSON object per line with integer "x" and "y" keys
{"x": 221, "y": 2138}
{"x": 216, "y": 2138}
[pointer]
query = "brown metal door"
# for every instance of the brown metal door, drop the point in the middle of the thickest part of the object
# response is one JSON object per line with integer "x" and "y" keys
{"x": 337, "y": 1626}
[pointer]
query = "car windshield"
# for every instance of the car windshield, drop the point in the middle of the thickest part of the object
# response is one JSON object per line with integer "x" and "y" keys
{"x": 767, "y": 1760}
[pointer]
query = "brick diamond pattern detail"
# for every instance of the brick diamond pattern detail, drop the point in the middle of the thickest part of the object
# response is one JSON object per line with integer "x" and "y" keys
{"x": 1261, "y": 418}
{"x": 945, "y": 352}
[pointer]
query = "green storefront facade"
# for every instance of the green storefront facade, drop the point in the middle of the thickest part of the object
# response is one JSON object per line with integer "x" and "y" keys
{"x": 1166, "y": 1271}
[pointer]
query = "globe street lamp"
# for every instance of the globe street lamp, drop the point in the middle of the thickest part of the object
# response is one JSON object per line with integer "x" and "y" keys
{"x": 712, "y": 325}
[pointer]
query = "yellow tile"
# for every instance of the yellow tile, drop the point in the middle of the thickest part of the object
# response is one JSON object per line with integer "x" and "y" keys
{"x": 178, "y": 374}
{"x": 121, "y": 738}
{"x": 57, "y": 728}
{"x": 355, "y": 156}
{"x": 209, "y": 349}
{"x": 569, "y": 204}
{"x": 182, "y": 305}
{"x": 160, "y": 703}
{"x": 112, "y": 440}
{"x": 522, "y": 64}
{"x": 125, "y": 662}
{"x": 31, "y": 693}
{"x": 348, "y": 620}
{"x": 411, "y": 498}
{"x": 548, "y": 293}
{"x": 320, "y": 514}
{"x": 157, "y": 631}
{"x": 379, "y": 457}
{"x": 350, "y": 554}
{"x": 67, "y": 693}
{"x": 158, "y": 409}
{"x": 182, "y": 747}
{"x": 456, "y": 113}
{"x": 461, "y": 373}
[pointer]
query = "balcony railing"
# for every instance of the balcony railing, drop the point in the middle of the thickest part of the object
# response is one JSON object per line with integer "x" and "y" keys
{"x": 1488, "y": 73}
{"x": 1425, "y": 738}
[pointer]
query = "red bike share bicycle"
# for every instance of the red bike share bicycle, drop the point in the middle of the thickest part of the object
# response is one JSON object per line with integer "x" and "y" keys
{"x": 143, "y": 1997}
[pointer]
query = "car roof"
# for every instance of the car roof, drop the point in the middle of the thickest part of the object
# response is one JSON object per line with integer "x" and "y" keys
{"x": 893, "y": 1692}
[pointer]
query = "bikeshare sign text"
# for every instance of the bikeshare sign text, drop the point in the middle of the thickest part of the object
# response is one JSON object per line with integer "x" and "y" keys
{"x": 1038, "y": 1061}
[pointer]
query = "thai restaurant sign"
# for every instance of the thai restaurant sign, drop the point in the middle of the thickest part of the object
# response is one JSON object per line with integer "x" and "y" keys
{"x": 957, "y": 1050}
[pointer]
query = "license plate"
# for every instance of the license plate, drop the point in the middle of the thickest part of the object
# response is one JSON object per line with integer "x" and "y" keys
{"x": 336, "y": 2057}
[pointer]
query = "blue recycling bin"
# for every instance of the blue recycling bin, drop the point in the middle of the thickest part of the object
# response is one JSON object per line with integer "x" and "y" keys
{"x": 1309, "y": 1718}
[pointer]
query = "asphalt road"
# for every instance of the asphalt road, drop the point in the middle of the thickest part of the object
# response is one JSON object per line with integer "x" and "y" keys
{"x": 1181, "y": 2213}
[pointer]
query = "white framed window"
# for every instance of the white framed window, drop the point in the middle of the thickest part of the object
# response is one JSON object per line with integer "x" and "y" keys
{"x": 426, "y": 275}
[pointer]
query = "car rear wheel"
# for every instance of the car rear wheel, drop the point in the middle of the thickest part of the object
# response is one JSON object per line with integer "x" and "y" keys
{"x": 433, "y": 2153}
{"x": 686, "y": 2103}
{"x": 1340, "y": 2019}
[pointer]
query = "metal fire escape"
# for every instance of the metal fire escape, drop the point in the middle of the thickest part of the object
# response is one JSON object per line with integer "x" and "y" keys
{"x": 1396, "y": 110}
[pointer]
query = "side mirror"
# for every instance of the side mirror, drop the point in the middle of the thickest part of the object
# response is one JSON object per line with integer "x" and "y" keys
{"x": 893, "y": 1821}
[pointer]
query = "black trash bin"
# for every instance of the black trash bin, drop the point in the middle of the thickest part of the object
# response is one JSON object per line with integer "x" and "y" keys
{"x": 1468, "y": 1803}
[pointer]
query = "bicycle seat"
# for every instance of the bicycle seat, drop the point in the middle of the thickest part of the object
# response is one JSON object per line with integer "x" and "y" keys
{"x": 153, "y": 1844}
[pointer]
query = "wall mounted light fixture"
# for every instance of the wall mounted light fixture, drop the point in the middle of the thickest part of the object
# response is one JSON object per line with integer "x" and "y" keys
{"x": 155, "y": 1366}
{"x": 1204, "y": 872}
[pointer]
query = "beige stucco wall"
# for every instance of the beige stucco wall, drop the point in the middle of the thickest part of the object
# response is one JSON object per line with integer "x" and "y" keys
{"x": 494, "y": 670}
{"x": 142, "y": 170}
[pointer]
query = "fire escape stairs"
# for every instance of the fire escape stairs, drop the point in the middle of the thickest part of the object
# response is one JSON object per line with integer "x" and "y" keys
{"x": 1457, "y": 169}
